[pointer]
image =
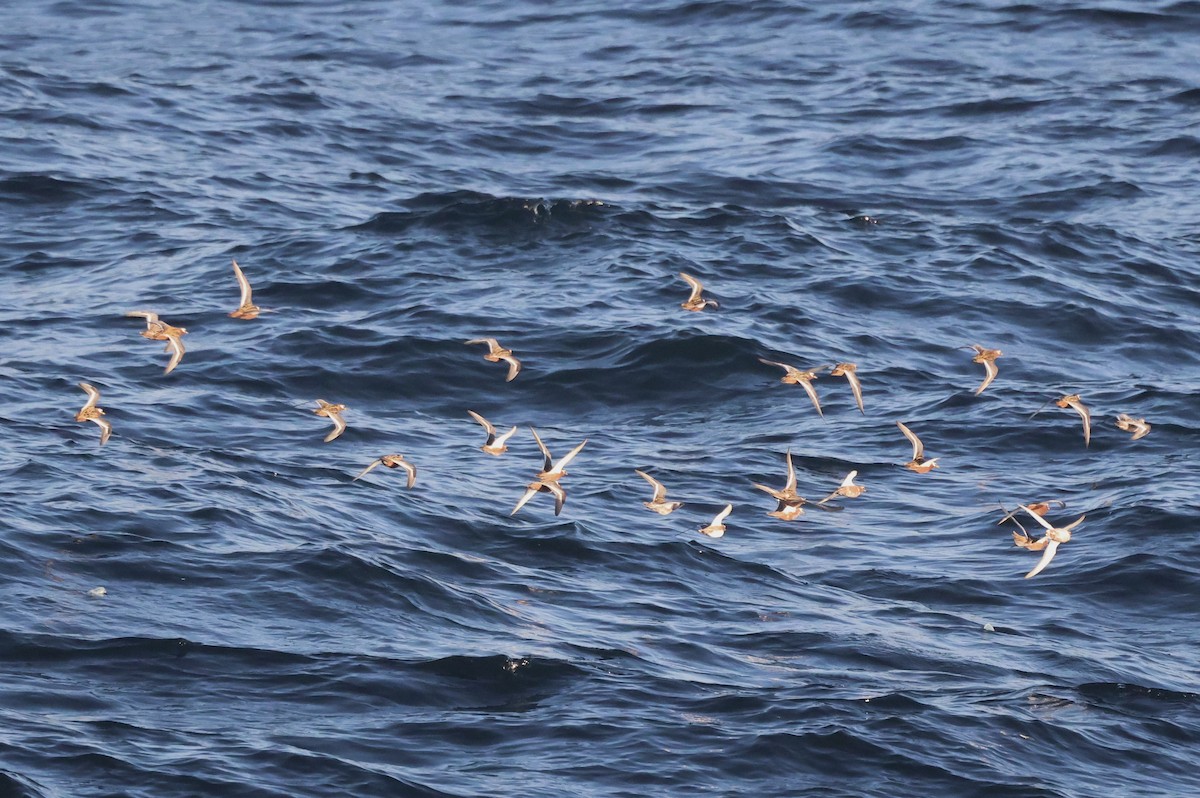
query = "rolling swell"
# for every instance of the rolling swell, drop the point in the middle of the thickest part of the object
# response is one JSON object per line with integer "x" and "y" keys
{"x": 397, "y": 180}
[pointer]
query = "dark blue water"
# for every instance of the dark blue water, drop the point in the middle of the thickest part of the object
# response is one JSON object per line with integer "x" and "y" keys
{"x": 397, "y": 178}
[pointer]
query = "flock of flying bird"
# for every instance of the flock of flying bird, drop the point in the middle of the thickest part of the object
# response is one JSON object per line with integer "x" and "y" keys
{"x": 548, "y": 479}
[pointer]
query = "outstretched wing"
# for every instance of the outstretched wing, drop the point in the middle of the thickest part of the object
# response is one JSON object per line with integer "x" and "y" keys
{"x": 812, "y": 394}
{"x": 856, "y": 386}
{"x": 93, "y": 396}
{"x": 989, "y": 366}
{"x": 492, "y": 344}
{"x": 487, "y": 425}
{"x": 1038, "y": 518}
{"x": 410, "y": 469}
{"x": 243, "y": 283}
{"x": 547, "y": 461}
{"x": 176, "y": 346}
{"x": 660, "y": 492}
{"x": 514, "y": 367}
{"x": 105, "y": 429}
{"x": 567, "y": 458}
{"x": 1047, "y": 556}
{"x": 696, "y": 285}
{"x": 530, "y": 492}
{"x": 339, "y": 425}
{"x": 918, "y": 448}
{"x": 1087, "y": 421}
{"x": 365, "y": 471}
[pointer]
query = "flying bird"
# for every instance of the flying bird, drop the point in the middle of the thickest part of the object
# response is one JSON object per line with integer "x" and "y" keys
{"x": 849, "y": 371}
{"x": 848, "y": 489}
{"x": 159, "y": 330}
{"x": 1048, "y": 544}
{"x": 247, "y": 310}
{"x": 795, "y": 376}
{"x": 658, "y": 503}
{"x": 90, "y": 412}
{"x": 988, "y": 358}
{"x": 552, "y": 471}
{"x": 717, "y": 527}
{"x": 536, "y": 487}
{"x": 791, "y": 505}
{"x": 333, "y": 413}
{"x": 918, "y": 462}
{"x": 1072, "y": 401}
{"x": 496, "y": 353}
{"x": 391, "y": 461}
{"x": 494, "y": 445}
{"x": 1137, "y": 426}
{"x": 695, "y": 301}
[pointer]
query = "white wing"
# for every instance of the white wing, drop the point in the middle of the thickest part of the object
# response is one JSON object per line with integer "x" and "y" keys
{"x": 1039, "y": 519}
{"x": 918, "y": 449}
{"x": 93, "y": 396}
{"x": 149, "y": 316}
{"x": 487, "y": 425}
{"x": 812, "y": 394}
{"x": 176, "y": 347}
{"x": 365, "y": 471}
{"x": 991, "y": 369}
{"x": 660, "y": 492}
{"x": 105, "y": 429}
{"x": 530, "y": 492}
{"x": 243, "y": 282}
{"x": 849, "y": 480}
{"x": 514, "y": 367}
{"x": 492, "y": 343}
{"x": 567, "y": 458}
{"x": 1047, "y": 556}
{"x": 856, "y": 386}
{"x": 339, "y": 426}
{"x": 410, "y": 469}
{"x": 547, "y": 460}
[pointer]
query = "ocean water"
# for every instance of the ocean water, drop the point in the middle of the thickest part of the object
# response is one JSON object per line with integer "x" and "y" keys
{"x": 882, "y": 183}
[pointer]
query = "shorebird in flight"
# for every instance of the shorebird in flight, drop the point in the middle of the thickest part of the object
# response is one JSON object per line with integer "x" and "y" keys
{"x": 1137, "y": 426}
{"x": 536, "y": 487}
{"x": 1048, "y": 544}
{"x": 90, "y": 412}
{"x": 1072, "y": 401}
{"x": 391, "y": 461}
{"x": 496, "y": 353}
{"x": 552, "y": 471}
{"x": 494, "y": 445}
{"x": 988, "y": 358}
{"x": 658, "y": 503}
{"x": 791, "y": 505}
{"x": 850, "y": 372}
{"x": 546, "y": 480}
{"x": 333, "y": 413}
{"x": 247, "y": 310}
{"x": 848, "y": 489}
{"x": 159, "y": 330}
{"x": 695, "y": 301}
{"x": 795, "y": 376}
{"x": 918, "y": 462}
{"x": 717, "y": 527}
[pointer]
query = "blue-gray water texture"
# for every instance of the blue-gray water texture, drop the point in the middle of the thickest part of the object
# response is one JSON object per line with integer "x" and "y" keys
{"x": 885, "y": 183}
